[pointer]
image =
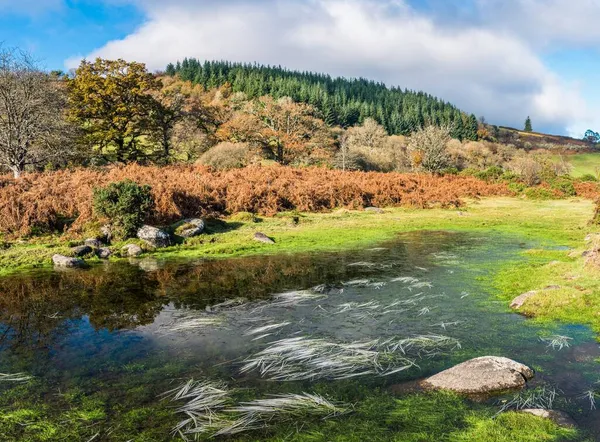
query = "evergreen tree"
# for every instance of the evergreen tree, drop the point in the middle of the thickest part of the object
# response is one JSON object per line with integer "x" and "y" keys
{"x": 472, "y": 128}
{"x": 170, "y": 70}
{"x": 341, "y": 101}
{"x": 528, "y": 127}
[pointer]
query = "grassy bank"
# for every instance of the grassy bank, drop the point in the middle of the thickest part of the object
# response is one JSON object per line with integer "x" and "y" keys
{"x": 560, "y": 222}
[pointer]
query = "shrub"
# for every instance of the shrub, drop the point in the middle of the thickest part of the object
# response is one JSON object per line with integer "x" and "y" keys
{"x": 517, "y": 187}
{"x": 539, "y": 193}
{"x": 225, "y": 156}
{"x": 527, "y": 168}
{"x": 428, "y": 148}
{"x": 493, "y": 173}
{"x": 126, "y": 204}
{"x": 588, "y": 177}
{"x": 564, "y": 185}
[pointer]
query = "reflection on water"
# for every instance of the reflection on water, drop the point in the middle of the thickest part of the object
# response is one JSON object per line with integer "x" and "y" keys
{"x": 118, "y": 327}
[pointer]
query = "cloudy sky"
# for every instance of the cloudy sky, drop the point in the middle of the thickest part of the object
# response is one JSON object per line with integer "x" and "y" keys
{"x": 502, "y": 59}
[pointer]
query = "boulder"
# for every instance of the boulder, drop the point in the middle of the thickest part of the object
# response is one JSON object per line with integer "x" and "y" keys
{"x": 560, "y": 418}
{"x": 132, "y": 250}
{"x": 154, "y": 236}
{"x": 81, "y": 250}
{"x": 488, "y": 374}
{"x": 67, "y": 262}
{"x": 93, "y": 243}
{"x": 261, "y": 237}
{"x": 107, "y": 232}
{"x": 518, "y": 302}
{"x": 190, "y": 227}
{"x": 103, "y": 253}
{"x": 374, "y": 209}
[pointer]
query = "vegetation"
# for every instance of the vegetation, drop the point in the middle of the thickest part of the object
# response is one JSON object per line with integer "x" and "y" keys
{"x": 528, "y": 127}
{"x": 125, "y": 204}
{"x": 341, "y": 102}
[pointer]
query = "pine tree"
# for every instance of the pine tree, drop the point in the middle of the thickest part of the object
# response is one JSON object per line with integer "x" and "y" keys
{"x": 528, "y": 127}
{"x": 472, "y": 128}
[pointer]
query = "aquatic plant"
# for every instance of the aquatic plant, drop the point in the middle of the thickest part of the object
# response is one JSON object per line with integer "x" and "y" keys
{"x": 208, "y": 409}
{"x": 266, "y": 328}
{"x": 557, "y": 342}
{"x": 302, "y": 358}
{"x": 193, "y": 321}
{"x": 406, "y": 279}
{"x": 592, "y": 396}
{"x": 15, "y": 377}
{"x": 541, "y": 397}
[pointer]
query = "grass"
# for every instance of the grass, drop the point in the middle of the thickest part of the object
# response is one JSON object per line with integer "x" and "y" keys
{"x": 583, "y": 163}
{"x": 559, "y": 220}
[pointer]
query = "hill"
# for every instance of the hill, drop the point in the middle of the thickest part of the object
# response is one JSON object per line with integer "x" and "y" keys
{"x": 342, "y": 102}
{"x": 538, "y": 140}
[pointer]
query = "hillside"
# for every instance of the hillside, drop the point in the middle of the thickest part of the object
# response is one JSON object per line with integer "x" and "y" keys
{"x": 341, "y": 101}
{"x": 538, "y": 140}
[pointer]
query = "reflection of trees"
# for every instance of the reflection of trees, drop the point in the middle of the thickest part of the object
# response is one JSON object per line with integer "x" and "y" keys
{"x": 36, "y": 310}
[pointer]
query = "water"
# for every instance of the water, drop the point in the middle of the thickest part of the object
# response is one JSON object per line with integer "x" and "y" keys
{"x": 111, "y": 339}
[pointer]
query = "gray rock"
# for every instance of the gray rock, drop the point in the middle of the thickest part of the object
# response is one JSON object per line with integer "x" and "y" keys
{"x": 107, "y": 232}
{"x": 154, "y": 236}
{"x": 191, "y": 227}
{"x": 374, "y": 209}
{"x": 560, "y": 418}
{"x": 67, "y": 262}
{"x": 93, "y": 243}
{"x": 103, "y": 253}
{"x": 132, "y": 250}
{"x": 483, "y": 375}
{"x": 261, "y": 237}
{"x": 520, "y": 300}
{"x": 81, "y": 250}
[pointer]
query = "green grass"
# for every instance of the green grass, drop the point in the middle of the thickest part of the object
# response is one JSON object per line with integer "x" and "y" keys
{"x": 563, "y": 221}
{"x": 583, "y": 163}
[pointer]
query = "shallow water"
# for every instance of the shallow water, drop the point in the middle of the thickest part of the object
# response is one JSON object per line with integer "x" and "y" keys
{"x": 131, "y": 332}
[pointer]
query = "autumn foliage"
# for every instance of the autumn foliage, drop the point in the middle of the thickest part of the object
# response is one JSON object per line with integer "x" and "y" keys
{"x": 43, "y": 200}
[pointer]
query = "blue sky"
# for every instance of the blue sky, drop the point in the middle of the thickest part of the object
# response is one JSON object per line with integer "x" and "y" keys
{"x": 504, "y": 59}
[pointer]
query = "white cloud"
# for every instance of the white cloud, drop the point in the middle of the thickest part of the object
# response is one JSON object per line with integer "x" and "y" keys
{"x": 481, "y": 69}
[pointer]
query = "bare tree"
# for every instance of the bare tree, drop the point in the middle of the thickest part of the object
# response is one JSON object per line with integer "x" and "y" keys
{"x": 32, "y": 114}
{"x": 428, "y": 148}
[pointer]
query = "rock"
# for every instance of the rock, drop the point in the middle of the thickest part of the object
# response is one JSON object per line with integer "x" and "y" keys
{"x": 132, "y": 250}
{"x": 81, "y": 250}
{"x": 67, "y": 262}
{"x": 560, "y": 418}
{"x": 190, "y": 227}
{"x": 103, "y": 253}
{"x": 373, "y": 209}
{"x": 518, "y": 302}
{"x": 107, "y": 233}
{"x": 261, "y": 237}
{"x": 93, "y": 243}
{"x": 154, "y": 236}
{"x": 487, "y": 374}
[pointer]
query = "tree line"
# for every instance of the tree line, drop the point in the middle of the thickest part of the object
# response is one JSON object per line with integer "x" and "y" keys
{"x": 340, "y": 101}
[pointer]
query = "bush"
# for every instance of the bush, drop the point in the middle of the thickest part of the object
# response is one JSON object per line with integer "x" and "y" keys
{"x": 493, "y": 173}
{"x": 126, "y": 204}
{"x": 564, "y": 185}
{"x": 588, "y": 177}
{"x": 225, "y": 156}
{"x": 517, "y": 187}
{"x": 539, "y": 193}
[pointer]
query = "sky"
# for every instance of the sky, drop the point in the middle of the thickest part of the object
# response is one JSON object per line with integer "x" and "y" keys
{"x": 501, "y": 59}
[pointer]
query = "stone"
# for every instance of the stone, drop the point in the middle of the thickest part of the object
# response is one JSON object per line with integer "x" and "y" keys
{"x": 190, "y": 227}
{"x": 107, "y": 232}
{"x": 488, "y": 374}
{"x": 93, "y": 243}
{"x": 261, "y": 237}
{"x": 103, "y": 253}
{"x": 520, "y": 300}
{"x": 132, "y": 250}
{"x": 373, "y": 209}
{"x": 154, "y": 236}
{"x": 67, "y": 261}
{"x": 81, "y": 250}
{"x": 560, "y": 418}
